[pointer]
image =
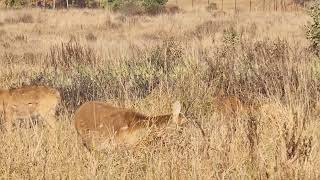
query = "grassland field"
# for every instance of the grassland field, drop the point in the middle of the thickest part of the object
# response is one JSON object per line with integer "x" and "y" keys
{"x": 148, "y": 62}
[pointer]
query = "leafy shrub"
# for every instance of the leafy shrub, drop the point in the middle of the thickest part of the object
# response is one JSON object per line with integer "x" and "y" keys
{"x": 16, "y": 3}
{"x": 154, "y": 6}
{"x": 137, "y": 7}
{"x": 313, "y": 33}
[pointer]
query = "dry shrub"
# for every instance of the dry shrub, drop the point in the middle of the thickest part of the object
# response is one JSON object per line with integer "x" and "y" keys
{"x": 21, "y": 37}
{"x": 2, "y": 32}
{"x": 110, "y": 24}
{"x": 212, "y": 7}
{"x": 219, "y": 13}
{"x": 121, "y": 18}
{"x": 251, "y": 30}
{"x": 5, "y": 45}
{"x": 78, "y": 62}
{"x": 283, "y": 132}
{"x": 9, "y": 58}
{"x": 179, "y": 145}
{"x": 73, "y": 38}
{"x": 166, "y": 56}
{"x": 270, "y": 69}
{"x": 26, "y": 58}
{"x": 133, "y": 21}
{"x": 211, "y": 27}
{"x": 158, "y": 35}
{"x": 25, "y": 18}
{"x": 171, "y": 9}
{"x": 301, "y": 2}
{"x": 91, "y": 78}
{"x": 31, "y": 57}
{"x": 269, "y": 66}
{"x": 22, "y": 18}
{"x": 9, "y": 20}
{"x": 72, "y": 54}
{"x": 75, "y": 87}
{"x": 91, "y": 37}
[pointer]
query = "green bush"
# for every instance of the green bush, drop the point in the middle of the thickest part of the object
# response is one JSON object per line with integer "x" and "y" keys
{"x": 313, "y": 33}
{"x": 129, "y": 7}
{"x": 154, "y": 6}
{"x": 16, "y": 3}
{"x": 136, "y": 7}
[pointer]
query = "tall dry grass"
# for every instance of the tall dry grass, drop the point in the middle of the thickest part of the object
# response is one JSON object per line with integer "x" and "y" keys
{"x": 146, "y": 63}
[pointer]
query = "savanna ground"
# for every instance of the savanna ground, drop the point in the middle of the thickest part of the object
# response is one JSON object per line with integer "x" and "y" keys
{"x": 146, "y": 63}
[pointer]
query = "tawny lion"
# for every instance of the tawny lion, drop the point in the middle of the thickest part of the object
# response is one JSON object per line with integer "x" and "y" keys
{"x": 229, "y": 105}
{"x": 28, "y": 103}
{"x": 124, "y": 125}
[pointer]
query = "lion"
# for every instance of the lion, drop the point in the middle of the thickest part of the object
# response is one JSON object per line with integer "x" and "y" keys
{"x": 19, "y": 105}
{"x": 123, "y": 125}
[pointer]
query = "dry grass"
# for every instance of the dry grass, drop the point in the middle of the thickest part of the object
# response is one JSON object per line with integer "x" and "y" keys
{"x": 146, "y": 63}
{"x": 241, "y": 5}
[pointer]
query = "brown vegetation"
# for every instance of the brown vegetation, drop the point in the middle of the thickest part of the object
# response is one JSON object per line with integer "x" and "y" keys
{"x": 171, "y": 9}
{"x": 21, "y": 18}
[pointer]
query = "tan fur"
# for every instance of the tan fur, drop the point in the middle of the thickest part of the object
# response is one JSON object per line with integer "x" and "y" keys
{"x": 104, "y": 120}
{"x": 227, "y": 104}
{"x": 231, "y": 105}
{"x": 28, "y": 102}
